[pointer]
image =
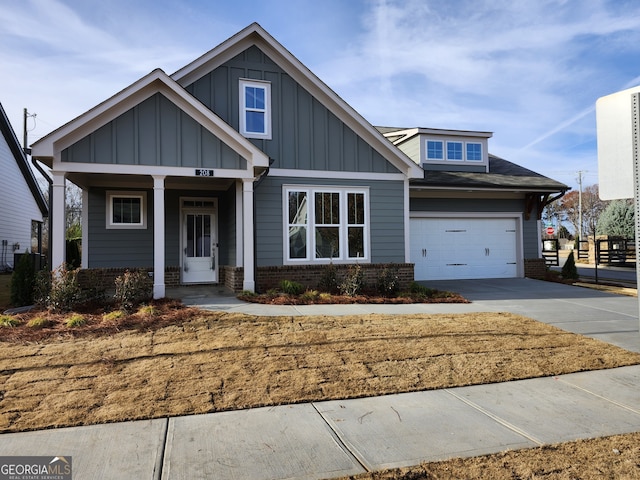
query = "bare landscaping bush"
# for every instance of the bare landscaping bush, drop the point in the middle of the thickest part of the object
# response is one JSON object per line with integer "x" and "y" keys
{"x": 132, "y": 289}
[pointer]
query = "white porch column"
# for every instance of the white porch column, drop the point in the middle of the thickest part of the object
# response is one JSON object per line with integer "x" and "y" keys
{"x": 57, "y": 222}
{"x": 239, "y": 231}
{"x": 85, "y": 229}
{"x": 247, "y": 226}
{"x": 158, "y": 236}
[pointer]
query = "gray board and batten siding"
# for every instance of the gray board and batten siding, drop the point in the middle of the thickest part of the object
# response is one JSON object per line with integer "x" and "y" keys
{"x": 133, "y": 248}
{"x": 386, "y": 204}
{"x": 488, "y": 206}
{"x": 156, "y": 133}
{"x": 305, "y": 134}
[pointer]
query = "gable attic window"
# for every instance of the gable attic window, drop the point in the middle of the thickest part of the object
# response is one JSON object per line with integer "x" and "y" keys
{"x": 126, "y": 210}
{"x": 255, "y": 109}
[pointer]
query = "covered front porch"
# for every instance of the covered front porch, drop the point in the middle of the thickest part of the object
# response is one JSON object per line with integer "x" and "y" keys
{"x": 185, "y": 230}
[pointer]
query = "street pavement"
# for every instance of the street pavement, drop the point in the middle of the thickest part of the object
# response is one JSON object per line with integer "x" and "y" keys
{"x": 345, "y": 437}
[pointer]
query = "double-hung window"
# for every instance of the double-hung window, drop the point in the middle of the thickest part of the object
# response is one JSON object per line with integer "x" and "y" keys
{"x": 255, "y": 109}
{"x": 326, "y": 224}
{"x": 126, "y": 210}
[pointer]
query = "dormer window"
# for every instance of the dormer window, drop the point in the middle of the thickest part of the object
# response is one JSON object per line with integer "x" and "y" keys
{"x": 435, "y": 150}
{"x": 474, "y": 152}
{"x": 454, "y": 151}
{"x": 255, "y": 109}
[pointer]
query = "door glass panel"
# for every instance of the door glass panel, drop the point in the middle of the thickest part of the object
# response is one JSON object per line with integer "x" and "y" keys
{"x": 198, "y": 235}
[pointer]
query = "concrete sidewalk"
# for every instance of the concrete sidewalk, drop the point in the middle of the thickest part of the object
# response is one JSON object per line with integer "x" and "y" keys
{"x": 345, "y": 437}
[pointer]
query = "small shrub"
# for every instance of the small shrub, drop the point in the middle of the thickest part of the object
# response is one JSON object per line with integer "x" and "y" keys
{"x": 22, "y": 281}
{"x": 388, "y": 281}
{"x": 132, "y": 289}
{"x": 417, "y": 291}
{"x": 75, "y": 320}
{"x": 291, "y": 287}
{"x": 325, "y": 296}
{"x": 8, "y": 321}
{"x": 569, "y": 269}
{"x": 353, "y": 283}
{"x": 42, "y": 288}
{"x": 310, "y": 295}
{"x": 329, "y": 280}
{"x": 147, "y": 311}
{"x": 248, "y": 293}
{"x": 112, "y": 316}
{"x": 38, "y": 322}
{"x": 65, "y": 294}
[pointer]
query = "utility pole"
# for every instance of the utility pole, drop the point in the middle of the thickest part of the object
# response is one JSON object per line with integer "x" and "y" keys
{"x": 580, "y": 173}
{"x": 26, "y": 115}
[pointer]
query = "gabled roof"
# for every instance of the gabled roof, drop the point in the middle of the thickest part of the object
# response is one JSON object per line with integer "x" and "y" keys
{"x": 254, "y": 34}
{"x": 21, "y": 159}
{"x": 502, "y": 175}
{"x": 155, "y": 82}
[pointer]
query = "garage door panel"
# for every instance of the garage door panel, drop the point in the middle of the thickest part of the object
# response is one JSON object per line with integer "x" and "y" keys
{"x": 464, "y": 248}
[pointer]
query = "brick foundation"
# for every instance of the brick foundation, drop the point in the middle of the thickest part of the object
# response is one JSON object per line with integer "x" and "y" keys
{"x": 534, "y": 268}
{"x": 310, "y": 275}
{"x": 266, "y": 277}
{"x": 106, "y": 277}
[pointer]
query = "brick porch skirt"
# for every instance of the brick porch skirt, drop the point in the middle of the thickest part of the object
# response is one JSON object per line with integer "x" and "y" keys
{"x": 266, "y": 277}
{"x": 270, "y": 277}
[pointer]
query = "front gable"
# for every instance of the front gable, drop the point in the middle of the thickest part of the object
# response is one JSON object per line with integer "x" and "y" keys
{"x": 155, "y": 132}
{"x": 312, "y": 128}
{"x": 152, "y": 123}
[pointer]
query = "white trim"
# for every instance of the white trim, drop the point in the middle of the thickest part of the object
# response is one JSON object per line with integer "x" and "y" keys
{"x": 407, "y": 223}
{"x": 326, "y": 174}
{"x": 249, "y": 282}
{"x": 239, "y": 226}
{"x": 57, "y": 223}
{"x": 158, "y": 237}
{"x": 517, "y": 216}
{"x": 266, "y": 86}
{"x": 187, "y": 172}
{"x": 111, "y": 194}
{"x": 84, "y": 263}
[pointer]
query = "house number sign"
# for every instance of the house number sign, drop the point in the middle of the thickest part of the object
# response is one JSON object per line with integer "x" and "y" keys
{"x": 203, "y": 172}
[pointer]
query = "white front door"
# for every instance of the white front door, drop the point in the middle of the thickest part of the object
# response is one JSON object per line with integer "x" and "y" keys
{"x": 199, "y": 247}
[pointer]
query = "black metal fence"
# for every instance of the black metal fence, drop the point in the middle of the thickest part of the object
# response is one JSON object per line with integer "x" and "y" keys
{"x": 616, "y": 251}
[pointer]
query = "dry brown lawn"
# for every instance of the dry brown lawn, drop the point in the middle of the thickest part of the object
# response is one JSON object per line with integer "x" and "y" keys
{"x": 178, "y": 361}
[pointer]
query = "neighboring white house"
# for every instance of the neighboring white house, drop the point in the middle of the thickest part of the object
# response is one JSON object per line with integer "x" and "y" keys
{"x": 22, "y": 204}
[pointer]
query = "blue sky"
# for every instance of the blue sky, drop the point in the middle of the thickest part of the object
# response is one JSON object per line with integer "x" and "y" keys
{"x": 530, "y": 71}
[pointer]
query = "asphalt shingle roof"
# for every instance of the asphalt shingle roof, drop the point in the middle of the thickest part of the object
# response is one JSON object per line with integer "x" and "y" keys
{"x": 502, "y": 175}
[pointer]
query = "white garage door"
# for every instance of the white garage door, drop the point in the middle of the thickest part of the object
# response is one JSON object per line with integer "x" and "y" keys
{"x": 457, "y": 248}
